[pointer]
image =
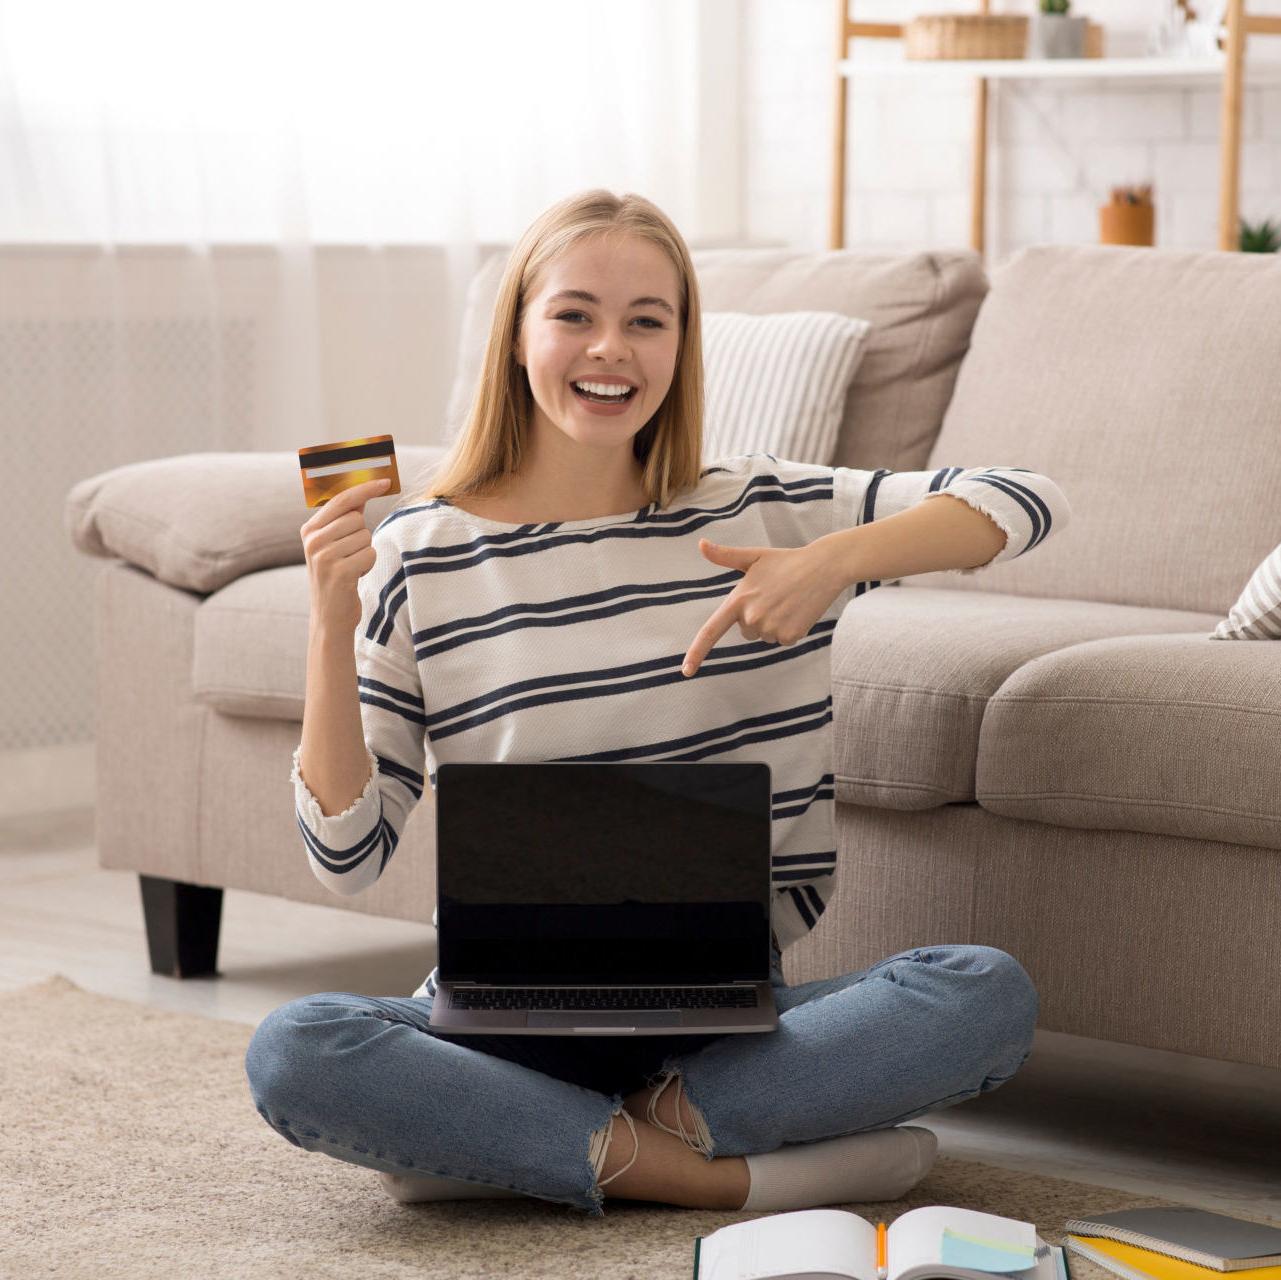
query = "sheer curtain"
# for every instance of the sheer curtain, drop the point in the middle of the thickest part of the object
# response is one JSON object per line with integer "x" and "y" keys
{"x": 251, "y": 225}
{"x": 390, "y": 123}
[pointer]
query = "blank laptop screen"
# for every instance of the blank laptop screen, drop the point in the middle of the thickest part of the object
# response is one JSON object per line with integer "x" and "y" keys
{"x": 603, "y": 873}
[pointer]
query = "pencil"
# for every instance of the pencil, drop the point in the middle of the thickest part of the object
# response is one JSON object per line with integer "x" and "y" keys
{"x": 882, "y": 1268}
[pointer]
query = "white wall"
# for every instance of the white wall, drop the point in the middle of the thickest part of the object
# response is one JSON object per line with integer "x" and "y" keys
{"x": 1055, "y": 148}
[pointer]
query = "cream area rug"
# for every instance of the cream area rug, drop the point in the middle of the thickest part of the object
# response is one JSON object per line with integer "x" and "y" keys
{"x": 130, "y": 1148}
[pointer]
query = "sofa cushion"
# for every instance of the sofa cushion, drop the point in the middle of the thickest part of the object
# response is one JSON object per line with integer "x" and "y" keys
{"x": 1145, "y": 383}
{"x": 249, "y": 653}
{"x": 778, "y": 383}
{"x": 1173, "y": 734}
{"x": 921, "y": 307}
{"x": 1257, "y": 614}
{"x": 201, "y": 520}
{"x": 913, "y": 670}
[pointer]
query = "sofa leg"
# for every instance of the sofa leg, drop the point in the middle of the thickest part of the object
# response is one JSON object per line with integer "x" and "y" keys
{"x": 182, "y": 927}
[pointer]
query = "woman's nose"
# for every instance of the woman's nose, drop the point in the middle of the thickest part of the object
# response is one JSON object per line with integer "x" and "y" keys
{"x": 609, "y": 345}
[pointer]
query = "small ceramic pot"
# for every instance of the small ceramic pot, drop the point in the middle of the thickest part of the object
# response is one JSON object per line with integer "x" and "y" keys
{"x": 1056, "y": 35}
{"x": 1127, "y": 224}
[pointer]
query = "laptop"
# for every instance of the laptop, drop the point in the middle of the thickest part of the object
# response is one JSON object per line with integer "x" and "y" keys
{"x": 603, "y": 899}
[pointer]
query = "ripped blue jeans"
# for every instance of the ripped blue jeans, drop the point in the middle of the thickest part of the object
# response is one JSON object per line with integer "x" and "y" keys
{"x": 366, "y": 1080}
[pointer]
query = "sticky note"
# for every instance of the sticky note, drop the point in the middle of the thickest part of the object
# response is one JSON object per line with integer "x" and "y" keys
{"x": 961, "y": 1250}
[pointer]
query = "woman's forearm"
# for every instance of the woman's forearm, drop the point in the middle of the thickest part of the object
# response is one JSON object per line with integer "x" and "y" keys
{"x": 333, "y": 760}
{"x": 931, "y": 535}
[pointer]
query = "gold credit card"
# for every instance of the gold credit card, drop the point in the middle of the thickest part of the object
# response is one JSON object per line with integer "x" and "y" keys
{"x": 328, "y": 469}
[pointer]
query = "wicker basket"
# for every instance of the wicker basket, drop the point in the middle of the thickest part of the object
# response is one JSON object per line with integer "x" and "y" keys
{"x": 965, "y": 35}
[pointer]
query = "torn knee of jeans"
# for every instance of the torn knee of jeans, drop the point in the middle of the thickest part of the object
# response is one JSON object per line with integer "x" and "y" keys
{"x": 700, "y": 1139}
{"x": 598, "y": 1147}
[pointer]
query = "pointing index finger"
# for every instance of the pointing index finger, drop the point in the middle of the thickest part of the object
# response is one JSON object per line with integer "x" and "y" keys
{"x": 712, "y": 630}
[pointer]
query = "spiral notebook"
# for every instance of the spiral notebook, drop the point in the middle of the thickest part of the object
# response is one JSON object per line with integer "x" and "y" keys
{"x": 1207, "y": 1239}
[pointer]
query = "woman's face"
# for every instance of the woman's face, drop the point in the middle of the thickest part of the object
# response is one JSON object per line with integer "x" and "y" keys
{"x": 626, "y": 334}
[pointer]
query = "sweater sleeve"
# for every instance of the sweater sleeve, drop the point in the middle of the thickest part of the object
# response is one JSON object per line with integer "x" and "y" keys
{"x": 348, "y": 851}
{"x": 1028, "y": 507}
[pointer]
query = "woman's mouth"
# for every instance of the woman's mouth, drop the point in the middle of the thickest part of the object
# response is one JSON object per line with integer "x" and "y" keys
{"x": 594, "y": 398}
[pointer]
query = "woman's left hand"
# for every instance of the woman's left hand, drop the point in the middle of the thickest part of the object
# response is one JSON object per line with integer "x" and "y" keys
{"x": 782, "y": 594}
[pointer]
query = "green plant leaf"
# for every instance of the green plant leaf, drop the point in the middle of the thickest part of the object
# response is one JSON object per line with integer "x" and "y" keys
{"x": 1263, "y": 237}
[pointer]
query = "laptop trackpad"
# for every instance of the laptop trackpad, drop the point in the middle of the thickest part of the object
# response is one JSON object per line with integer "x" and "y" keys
{"x": 590, "y": 1021}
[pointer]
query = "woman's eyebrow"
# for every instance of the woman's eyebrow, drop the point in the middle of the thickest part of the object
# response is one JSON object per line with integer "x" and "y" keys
{"x": 583, "y": 296}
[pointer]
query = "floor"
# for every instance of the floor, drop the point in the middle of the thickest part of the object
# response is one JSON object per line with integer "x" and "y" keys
{"x": 1193, "y": 1130}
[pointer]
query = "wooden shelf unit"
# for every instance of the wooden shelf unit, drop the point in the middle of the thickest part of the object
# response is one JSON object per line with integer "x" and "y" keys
{"x": 1228, "y": 69}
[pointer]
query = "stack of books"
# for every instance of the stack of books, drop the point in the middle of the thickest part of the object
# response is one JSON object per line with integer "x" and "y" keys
{"x": 1176, "y": 1244}
{"x": 946, "y": 1242}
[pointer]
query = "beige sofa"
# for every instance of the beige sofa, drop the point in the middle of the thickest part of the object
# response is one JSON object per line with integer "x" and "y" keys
{"x": 1051, "y": 756}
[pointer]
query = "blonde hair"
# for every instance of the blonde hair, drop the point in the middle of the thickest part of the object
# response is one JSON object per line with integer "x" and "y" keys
{"x": 490, "y": 444}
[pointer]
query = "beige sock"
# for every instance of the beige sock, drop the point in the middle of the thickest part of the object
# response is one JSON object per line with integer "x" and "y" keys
{"x": 882, "y": 1164}
{"x": 410, "y": 1188}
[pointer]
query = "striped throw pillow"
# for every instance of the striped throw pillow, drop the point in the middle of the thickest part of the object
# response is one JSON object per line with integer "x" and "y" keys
{"x": 777, "y": 383}
{"x": 1257, "y": 614}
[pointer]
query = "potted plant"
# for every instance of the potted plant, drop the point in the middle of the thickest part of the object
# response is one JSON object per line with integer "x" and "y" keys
{"x": 1263, "y": 237}
{"x": 1054, "y": 33}
{"x": 1129, "y": 217}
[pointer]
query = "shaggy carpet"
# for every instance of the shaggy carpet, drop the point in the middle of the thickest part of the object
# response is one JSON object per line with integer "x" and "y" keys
{"x": 130, "y": 1147}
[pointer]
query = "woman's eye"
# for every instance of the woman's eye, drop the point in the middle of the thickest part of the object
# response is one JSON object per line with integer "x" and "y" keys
{"x": 564, "y": 315}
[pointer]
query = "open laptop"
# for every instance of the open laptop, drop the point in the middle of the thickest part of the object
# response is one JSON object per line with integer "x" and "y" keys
{"x": 603, "y": 899}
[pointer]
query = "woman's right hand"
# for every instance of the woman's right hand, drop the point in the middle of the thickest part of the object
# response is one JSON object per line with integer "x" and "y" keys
{"x": 339, "y": 550}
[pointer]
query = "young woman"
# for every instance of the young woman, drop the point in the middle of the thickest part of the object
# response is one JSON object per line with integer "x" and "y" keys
{"x": 575, "y": 585}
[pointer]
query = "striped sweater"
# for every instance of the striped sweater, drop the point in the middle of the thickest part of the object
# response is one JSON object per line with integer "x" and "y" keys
{"x": 486, "y": 641}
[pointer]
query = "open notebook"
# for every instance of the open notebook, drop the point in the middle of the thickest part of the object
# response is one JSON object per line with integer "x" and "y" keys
{"x": 834, "y": 1244}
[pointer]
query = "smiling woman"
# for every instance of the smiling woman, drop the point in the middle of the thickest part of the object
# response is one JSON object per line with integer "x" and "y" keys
{"x": 552, "y": 625}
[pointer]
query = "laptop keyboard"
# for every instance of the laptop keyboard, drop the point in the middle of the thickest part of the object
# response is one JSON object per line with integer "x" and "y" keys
{"x": 604, "y": 998}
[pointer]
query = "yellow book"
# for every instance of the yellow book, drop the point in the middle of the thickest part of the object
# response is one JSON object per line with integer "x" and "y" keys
{"x": 1142, "y": 1264}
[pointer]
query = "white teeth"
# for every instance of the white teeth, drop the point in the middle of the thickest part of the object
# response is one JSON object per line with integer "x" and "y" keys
{"x": 603, "y": 388}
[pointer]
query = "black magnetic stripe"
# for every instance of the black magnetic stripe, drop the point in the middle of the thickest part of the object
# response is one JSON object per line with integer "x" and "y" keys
{"x": 351, "y": 454}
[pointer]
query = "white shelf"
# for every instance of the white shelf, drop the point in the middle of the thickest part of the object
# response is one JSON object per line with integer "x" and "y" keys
{"x": 1174, "y": 71}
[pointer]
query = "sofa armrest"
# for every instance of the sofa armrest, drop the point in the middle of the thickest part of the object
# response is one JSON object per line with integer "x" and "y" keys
{"x": 201, "y": 520}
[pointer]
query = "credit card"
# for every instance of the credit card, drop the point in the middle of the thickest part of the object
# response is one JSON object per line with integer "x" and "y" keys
{"x": 328, "y": 469}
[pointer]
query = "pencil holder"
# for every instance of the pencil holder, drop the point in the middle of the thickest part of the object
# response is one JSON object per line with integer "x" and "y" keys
{"x": 1127, "y": 224}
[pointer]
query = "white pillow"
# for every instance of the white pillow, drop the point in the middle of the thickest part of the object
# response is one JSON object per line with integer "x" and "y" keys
{"x": 1257, "y": 614}
{"x": 777, "y": 383}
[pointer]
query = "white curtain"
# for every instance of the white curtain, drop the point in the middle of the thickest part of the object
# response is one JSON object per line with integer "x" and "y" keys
{"x": 251, "y": 225}
{"x": 305, "y": 126}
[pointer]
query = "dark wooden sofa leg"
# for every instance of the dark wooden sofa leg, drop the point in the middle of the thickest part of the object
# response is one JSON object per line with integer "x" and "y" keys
{"x": 182, "y": 927}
